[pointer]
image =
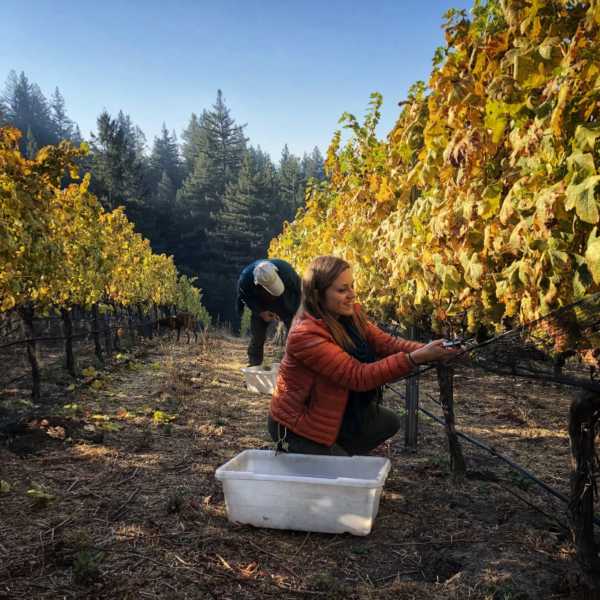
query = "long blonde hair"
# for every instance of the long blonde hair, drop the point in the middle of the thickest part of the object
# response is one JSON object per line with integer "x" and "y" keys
{"x": 319, "y": 276}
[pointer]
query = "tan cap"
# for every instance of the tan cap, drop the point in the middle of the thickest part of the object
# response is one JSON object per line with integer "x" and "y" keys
{"x": 265, "y": 274}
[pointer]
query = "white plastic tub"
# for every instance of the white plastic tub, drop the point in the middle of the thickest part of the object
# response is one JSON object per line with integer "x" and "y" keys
{"x": 330, "y": 494}
{"x": 259, "y": 380}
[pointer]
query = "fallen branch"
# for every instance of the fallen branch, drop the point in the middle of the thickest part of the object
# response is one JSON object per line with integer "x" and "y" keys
{"x": 133, "y": 494}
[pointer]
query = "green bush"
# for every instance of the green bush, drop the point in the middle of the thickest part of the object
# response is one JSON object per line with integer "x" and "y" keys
{"x": 245, "y": 324}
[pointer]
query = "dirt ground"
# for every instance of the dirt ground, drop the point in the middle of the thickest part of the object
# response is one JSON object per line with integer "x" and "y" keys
{"x": 110, "y": 492}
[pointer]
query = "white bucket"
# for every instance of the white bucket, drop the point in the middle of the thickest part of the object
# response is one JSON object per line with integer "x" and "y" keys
{"x": 330, "y": 494}
{"x": 259, "y": 380}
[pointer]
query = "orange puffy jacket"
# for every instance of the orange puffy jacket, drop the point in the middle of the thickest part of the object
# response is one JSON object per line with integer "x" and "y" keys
{"x": 316, "y": 374}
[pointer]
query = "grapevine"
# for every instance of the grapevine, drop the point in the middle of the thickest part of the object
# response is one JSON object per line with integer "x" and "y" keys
{"x": 483, "y": 199}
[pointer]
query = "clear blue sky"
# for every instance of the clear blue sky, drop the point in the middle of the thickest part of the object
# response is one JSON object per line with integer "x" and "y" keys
{"x": 287, "y": 69}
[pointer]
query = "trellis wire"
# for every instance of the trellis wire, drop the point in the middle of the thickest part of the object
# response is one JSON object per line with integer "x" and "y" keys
{"x": 493, "y": 452}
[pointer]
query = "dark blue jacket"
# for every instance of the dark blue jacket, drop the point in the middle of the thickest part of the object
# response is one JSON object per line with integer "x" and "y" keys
{"x": 249, "y": 294}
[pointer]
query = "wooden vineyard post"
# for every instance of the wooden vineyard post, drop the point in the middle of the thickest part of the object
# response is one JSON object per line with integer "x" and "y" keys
{"x": 26, "y": 313}
{"x": 107, "y": 336}
{"x": 96, "y": 333}
{"x": 583, "y": 417}
{"x": 143, "y": 324}
{"x": 445, "y": 376}
{"x": 156, "y": 317}
{"x": 146, "y": 325}
{"x": 149, "y": 324}
{"x": 411, "y": 431}
{"x": 131, "y": 325}
{"x": 117, "y": 329}
{"x": 68, "y": 334}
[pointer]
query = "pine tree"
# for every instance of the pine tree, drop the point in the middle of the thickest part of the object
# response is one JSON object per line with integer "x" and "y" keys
{"x": 196, "y": 198}
{"x": 26, "y": 108}
{"x": 165, "y": 158}
{"x": 247, "y": 222}
{"x": 313, "y": 165}
{"x": 291, "y": 184}
{"x": 216, "y": 145}
{"x": 165, "y": 191}
{"x": 77, "y": 138}
{"x": 135, "y": 139}
{"x": 194, "y": 143}
{"x": 63, "y": 126}
{"x": 118, "y": 164}
{"x": 3, "y": 113}
{"x": 107, "y": 165}
{"x": 213, "y": 151}
{"x": 161, "y": 224}
{"x": 225, "y": 144}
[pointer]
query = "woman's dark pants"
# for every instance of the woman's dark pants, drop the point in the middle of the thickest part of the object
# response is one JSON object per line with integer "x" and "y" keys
{"x": 379, "y": 425}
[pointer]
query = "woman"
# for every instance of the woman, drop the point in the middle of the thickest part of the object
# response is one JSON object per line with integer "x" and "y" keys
{"x": 328, "y": 392}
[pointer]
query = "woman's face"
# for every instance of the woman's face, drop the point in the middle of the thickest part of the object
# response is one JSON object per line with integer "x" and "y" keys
{"x": 339, "y": 296}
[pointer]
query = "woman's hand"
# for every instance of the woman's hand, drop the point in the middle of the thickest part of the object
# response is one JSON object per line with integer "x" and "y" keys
{"x": 433, "y": 352}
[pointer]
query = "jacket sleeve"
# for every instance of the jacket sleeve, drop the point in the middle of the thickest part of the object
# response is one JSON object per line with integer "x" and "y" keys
{"x": 249, "y": 301}
{"x": 385, "y": 344}
{"x": 320, "y": 353}
{"x": 247, "y": 293}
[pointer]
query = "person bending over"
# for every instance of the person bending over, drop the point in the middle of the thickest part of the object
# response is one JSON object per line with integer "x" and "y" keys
{"x": 271, "y": 290}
